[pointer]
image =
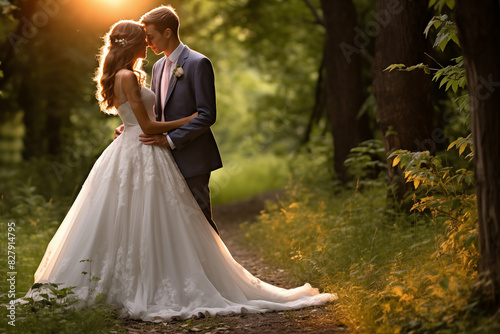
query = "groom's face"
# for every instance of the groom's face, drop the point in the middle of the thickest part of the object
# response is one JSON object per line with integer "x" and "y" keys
{"x": 157, "y": 41}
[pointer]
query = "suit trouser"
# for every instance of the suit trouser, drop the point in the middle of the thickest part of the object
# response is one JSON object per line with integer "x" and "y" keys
{"x": 201, "y": 192}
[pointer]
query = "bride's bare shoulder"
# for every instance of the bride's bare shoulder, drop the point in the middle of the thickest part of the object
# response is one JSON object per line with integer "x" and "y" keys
{"x": 127, "y": 78}
{"x": 125, "y": 74}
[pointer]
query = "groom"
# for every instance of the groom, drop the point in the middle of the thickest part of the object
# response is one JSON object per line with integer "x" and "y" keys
{"x": 183, "y": 81}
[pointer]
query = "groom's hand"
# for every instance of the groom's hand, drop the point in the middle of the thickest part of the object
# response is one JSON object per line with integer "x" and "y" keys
{"x": 158, "y": 140}
{"x": 118, "y": 131}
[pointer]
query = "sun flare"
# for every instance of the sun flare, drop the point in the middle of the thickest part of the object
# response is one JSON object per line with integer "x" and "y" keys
{"x": 110, "y": 11}
{"x": 112, "y": 2}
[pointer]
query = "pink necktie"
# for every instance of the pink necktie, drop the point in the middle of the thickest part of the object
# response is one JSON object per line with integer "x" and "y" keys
{"x": 164, "y": 83}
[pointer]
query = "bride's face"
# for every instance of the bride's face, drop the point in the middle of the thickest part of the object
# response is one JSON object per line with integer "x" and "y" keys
{"x": 142, "y": 50}
{"x": 156, "y": 40}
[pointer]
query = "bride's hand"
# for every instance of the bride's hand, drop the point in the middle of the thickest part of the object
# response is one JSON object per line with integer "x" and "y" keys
{"x": 118, "y": 131}
{"x": 193, "y": 116}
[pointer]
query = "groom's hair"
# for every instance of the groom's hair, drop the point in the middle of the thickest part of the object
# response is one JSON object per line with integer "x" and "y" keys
{"x": 162, "y": 17}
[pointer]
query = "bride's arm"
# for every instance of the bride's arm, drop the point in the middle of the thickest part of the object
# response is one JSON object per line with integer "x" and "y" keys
{"x": 133, "y": 92}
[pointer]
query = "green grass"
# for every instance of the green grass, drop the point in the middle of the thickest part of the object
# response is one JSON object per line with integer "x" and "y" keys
{"x": 385, "y": 268}
{"x": 242, "y": 178}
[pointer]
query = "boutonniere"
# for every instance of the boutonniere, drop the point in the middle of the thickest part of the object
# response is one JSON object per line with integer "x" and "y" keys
{"x": 178, "y": 71}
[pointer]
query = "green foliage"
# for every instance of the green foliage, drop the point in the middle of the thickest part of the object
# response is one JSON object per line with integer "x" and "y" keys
{"x": 23, "y": 203}
{"x": 402, "y": 67}
{"x": 367, "y": 162}
{"x": 462, "y": 144}
{"x": 91, "y": 279}
{"x": 285, "y": 46}
{"x": 448, "y": 196}
{"x": 439, "y": 4}
{"x": 11, "y": 138}
{"x": 36, "y": 220}
{"x": 313, "y": 162}
{"x": 447, "y": 31}
{"x": 58, "y": 68}
{"x": 59, "y": 176}
{"x": 47, "y": 295}
{"x": 453, "y": 76}
{"x": 51, "y": 309}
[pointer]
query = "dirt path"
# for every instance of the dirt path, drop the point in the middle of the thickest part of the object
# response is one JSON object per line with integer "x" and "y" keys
{"x": 311, "y": 320}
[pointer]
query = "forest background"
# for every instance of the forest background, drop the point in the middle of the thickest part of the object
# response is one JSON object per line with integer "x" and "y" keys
{"x": 360, "y": 110}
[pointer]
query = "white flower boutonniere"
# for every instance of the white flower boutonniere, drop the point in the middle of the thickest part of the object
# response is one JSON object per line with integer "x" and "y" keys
{"x": 178, "y": 71}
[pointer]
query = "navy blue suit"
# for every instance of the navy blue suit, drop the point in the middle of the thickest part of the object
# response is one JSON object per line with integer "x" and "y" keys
{"x": 196, "y": 152}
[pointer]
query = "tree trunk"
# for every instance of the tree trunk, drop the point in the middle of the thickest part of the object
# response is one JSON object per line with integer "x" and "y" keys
{"x": 55, "y": 125}
{"x": 34, "y": 121}
{"x": 404, "y": 106}
{"x": 479, "y": 33}
{"x": 343, "y": 80}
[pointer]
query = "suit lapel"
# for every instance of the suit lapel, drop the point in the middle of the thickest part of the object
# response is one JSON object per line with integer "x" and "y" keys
{"x": 173, "y": 80}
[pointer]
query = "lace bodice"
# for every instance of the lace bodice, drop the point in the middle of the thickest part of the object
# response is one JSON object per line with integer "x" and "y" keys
{"x": 127, "y": 114}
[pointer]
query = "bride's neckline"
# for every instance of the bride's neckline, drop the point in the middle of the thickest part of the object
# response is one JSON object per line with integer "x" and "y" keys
{"x": 121, "y": 104}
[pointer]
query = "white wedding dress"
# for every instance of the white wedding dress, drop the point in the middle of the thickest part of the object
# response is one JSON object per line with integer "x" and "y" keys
{"x": 153, "y": 253}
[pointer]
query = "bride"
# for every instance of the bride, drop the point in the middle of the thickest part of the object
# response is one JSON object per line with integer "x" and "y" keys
{"x": 135, "y": 235}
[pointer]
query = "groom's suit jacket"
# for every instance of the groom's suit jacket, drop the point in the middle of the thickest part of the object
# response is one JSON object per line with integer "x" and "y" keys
{"x": 196, "y": 151}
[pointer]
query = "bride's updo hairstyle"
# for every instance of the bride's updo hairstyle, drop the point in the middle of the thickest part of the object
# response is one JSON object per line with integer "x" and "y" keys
{"x": 121, "y": 45}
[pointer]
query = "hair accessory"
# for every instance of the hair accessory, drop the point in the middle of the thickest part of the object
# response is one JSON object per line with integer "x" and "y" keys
{"x": 122, "y": 41}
